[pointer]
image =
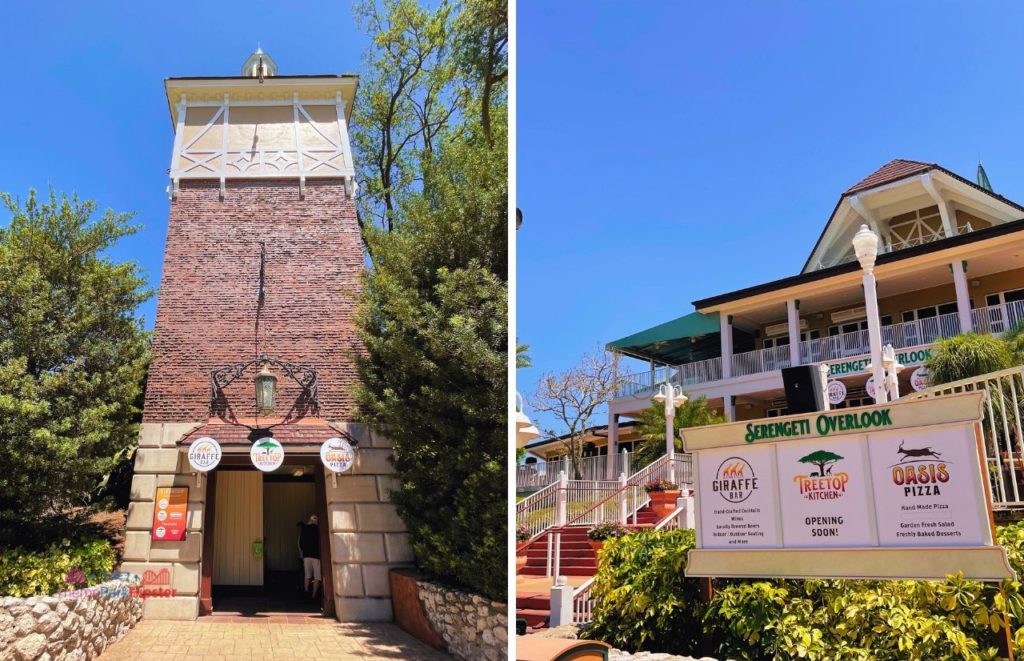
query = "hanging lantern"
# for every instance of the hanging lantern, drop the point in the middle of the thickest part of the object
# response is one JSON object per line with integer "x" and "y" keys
{"x": 266, "y": 388}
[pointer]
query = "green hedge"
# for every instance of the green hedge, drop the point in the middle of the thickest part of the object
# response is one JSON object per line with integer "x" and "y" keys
{"x": 26, "y": 573}
{"x": 645, "y": 603}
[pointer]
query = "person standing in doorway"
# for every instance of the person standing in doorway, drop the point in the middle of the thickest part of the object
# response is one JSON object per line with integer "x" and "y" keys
{"x": 309, "y": 546}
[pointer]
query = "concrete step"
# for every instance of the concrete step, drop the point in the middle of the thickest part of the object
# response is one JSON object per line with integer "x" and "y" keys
{"x": 535, "y": 617}
{"x": 566, "y": 571}
{"x": 536, "y": 602}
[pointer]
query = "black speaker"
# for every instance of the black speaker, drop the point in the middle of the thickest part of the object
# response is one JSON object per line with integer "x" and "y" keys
{"x": 804, "y": 392}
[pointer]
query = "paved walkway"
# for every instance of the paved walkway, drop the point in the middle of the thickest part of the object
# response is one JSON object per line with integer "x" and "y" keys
{"x": 235, "y": 638}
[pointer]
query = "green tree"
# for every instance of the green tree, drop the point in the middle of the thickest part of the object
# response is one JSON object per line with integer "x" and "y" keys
{"x": 650, "y": 427}
{"x": 967, "y": 355}
{"x": 73, "y": 356}
{"x": 821, "y": 459}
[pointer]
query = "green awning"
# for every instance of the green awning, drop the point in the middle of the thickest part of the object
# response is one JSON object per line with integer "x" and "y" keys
{"x": 681, "y": 340}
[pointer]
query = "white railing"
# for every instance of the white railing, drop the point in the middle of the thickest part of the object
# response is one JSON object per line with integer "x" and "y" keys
{"x": 589, "y": 502}
{"x": 995, "y": 319}
{"x": 541, "y": 474}
{"x": 537, "y": 512}
{"x": 760, "y": 360}
{"x": 998, "y": 319}
{"x": 1001, "y": 427}
{"x": 583, "y": 603}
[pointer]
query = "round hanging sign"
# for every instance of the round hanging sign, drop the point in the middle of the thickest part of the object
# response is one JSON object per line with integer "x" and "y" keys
{"x": 836, "y": 392}
{"x": 869, "y": 387}
{"x": 919, "y": 379}
{"x": 337, "y": 455}
{"x": 267, "y": 454}
{"x": 204, "y": 454}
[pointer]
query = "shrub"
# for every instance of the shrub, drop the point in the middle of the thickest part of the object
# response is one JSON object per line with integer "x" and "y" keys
{"x": 522, "y": 533}
{"x": 607, "y": 530}
{"x": 643, "y": 600}
{"x": 645, "y": 603}
{"x": 660, "y": 485}
{"x": 63, "y": 566}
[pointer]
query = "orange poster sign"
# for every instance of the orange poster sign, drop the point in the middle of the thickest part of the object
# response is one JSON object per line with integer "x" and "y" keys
{"x": 169, "y": 514}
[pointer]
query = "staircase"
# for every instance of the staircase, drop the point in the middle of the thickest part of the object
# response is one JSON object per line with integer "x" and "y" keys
{"x": 578, "y": 559}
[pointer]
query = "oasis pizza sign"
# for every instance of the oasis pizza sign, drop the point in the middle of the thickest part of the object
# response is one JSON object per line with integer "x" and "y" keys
{"x": 882, "y": 492}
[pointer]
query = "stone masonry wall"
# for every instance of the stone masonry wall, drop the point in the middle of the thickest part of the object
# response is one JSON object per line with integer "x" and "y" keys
{"x": 474, "y": 628}
{"x": 367, "y": 536}
{"x": 76, "y": 625}
{"x": 159, "y": 463}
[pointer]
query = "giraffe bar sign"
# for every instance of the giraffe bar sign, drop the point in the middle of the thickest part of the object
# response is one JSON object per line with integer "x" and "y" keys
{"x": 897, "y": 491}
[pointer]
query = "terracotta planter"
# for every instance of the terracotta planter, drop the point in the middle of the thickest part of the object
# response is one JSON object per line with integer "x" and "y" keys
{"x": 595, "y": 544}
{"x": 520, "y": 562}
{"x": 663, "y": 503}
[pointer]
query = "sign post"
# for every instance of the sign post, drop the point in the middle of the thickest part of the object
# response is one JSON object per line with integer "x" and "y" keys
{"x": 896, "y": 491}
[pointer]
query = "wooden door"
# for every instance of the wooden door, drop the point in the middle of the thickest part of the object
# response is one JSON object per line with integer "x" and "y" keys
{"x": 284, "y": 505}
{"x": 237, "y": 523}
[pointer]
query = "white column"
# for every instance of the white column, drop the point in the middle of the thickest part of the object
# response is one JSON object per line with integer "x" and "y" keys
{"x": 729, "y": 408}
{"x": 874, "y": 336}
{"x": 963, "y": 296}
{"x": 561, "y": 603}
{"x": 725, "y": 324}
{"x": 793, "y": 316}
{"x": 613, "y": 445}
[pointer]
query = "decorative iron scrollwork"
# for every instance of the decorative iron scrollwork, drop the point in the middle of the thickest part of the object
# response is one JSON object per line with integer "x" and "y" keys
{"x": 222, "y": 377}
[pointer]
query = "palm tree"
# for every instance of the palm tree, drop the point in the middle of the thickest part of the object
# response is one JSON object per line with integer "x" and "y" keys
{"x": 972, "y": 354}
{"x": 651, "y": 427}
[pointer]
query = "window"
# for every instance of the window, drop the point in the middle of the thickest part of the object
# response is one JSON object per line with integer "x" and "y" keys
{"x": 854, "y": 326}
{"x": 930, "y": 311}
{"x": 1006, "y": 311}
{"x": 783, "y": 340}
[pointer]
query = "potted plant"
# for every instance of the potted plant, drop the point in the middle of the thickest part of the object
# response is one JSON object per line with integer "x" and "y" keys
{"x": 663, "y": 496}
{"x": 597, "y": 535}
{"x": 522, "y": 535}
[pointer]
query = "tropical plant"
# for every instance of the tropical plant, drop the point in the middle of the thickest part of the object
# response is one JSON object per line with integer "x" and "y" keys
{"x": 61, "y": 566}
{"x": 73, "y": 357}
{"x": 967, "y": 355}
{"x": 607, "y": 530}
{"x": 650, "y": 427}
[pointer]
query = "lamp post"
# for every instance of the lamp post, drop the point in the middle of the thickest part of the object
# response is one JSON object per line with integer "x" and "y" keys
{"x": 892, "y": 371}
{"x": 671, "y": 396}
{"x": 865, "y": 246}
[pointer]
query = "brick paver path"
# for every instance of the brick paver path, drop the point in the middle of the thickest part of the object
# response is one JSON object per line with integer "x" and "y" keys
{"x": 234, "y": 638}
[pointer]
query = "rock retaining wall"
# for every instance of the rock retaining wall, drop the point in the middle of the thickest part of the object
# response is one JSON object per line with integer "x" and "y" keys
{"x": 71, "y": 625}
{"x": 473, "y": 628}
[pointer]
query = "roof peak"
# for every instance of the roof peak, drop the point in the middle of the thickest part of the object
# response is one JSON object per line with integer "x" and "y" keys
{"x": 897, "y": 168}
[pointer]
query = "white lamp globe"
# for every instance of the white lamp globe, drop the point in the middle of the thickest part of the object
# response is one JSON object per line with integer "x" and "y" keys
{"x": 865, "y": 246}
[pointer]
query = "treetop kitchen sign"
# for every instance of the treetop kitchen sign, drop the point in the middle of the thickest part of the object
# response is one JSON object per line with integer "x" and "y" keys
{"x": 893, "y": 491}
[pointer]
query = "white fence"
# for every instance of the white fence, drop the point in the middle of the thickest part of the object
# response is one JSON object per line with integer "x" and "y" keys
{"x": 541, "y": 474}
{"x": 1001, "y": 427}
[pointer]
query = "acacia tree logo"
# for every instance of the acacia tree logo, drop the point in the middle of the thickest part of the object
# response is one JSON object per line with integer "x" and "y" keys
{"x": 822, "y": 484}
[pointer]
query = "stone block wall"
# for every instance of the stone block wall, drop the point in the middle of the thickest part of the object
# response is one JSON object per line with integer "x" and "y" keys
{"x": 76, "y": 625}
{"x": 159, "y": 463}
{"x": 367, "y": 536}
{"x": 474, "y": 628}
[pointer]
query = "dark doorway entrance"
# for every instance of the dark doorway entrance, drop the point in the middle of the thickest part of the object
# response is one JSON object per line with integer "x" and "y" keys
{"x": 251, "y": 561}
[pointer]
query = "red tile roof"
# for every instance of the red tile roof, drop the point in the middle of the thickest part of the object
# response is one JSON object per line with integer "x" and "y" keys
{"x": 226, "y": 434}
{"x": 894, "y": 170}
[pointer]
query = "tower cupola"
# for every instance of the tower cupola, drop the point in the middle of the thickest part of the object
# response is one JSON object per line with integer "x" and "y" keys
{"x": 259, "y": 65}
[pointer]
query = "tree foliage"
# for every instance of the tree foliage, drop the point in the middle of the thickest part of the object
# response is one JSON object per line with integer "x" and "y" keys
{"x": 968, "y": 355}
{"x": 573, "y": 398}
{"x": 434, "y": 320}
{"x": 650, "y": 427}
{"x": 73, "y": 355}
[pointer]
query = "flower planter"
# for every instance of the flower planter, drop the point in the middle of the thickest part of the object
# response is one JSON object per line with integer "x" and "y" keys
{"x": 520, "y": 562}
{"x": 663, "y": 503}
{"x": 595, "y": 544}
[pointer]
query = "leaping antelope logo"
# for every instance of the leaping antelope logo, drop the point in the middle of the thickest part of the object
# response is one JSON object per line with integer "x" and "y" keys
{"x": 917, "y": 452}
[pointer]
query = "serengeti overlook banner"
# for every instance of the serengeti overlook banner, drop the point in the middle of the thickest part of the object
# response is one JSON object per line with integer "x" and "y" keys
{"x": 881, "y": 481}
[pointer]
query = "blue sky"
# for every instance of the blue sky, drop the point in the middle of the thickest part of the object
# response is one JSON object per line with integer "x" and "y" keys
{"x": 671, "y": 151}
{"x": 84, "y": 108}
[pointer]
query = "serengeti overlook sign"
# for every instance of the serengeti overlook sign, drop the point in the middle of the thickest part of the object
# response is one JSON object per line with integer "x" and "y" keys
{"x": 894, "y": 491}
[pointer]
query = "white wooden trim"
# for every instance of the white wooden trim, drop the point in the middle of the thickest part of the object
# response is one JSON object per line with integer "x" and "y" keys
{"x": 346, "y": 145}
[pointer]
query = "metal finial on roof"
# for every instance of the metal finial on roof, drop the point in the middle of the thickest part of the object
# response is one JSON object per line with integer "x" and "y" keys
{"x": 983, "y": 178}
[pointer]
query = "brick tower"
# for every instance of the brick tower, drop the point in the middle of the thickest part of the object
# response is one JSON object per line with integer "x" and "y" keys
{"x": 261, "y": 272}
